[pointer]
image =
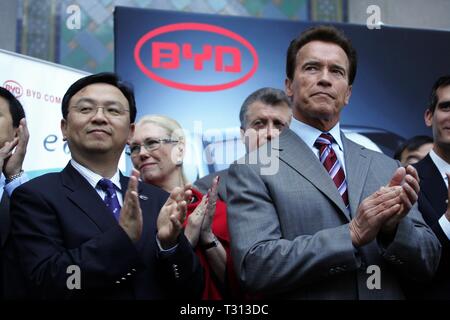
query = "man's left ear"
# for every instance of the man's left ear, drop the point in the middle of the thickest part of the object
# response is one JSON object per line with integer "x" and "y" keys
{"x": 348, "y": 94}
{"x": 63, "y": 126}
{"x": 131, "y": 133}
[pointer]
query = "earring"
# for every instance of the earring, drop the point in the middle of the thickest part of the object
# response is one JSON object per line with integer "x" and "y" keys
{"x": 179, "y": 162}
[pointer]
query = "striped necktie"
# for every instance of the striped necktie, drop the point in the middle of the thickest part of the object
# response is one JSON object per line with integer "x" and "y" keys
{"x": 331, "y": 163}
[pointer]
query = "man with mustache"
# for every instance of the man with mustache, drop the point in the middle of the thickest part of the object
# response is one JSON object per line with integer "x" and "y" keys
{"x": 88, "y": 232}
{"x": 333, "y": 208}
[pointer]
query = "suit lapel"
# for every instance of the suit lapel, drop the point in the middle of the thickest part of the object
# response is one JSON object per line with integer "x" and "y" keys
{"x": 295, "y": 153}
{"x": 81, "y": 193}
{"x": 357, "y": 165}
{"x": 432, "y": 185}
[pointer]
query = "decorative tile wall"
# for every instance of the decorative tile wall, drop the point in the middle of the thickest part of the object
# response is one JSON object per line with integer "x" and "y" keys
{"x": 43, "y": 33}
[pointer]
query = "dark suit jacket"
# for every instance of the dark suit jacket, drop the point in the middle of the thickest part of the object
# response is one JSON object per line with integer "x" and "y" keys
{"x": 4, "y": 229}
{"x": 432, "y": 204}
{"x": 4, "y": 218}
{"x": 203, "y": 184}
{"x": 59, "y": 220}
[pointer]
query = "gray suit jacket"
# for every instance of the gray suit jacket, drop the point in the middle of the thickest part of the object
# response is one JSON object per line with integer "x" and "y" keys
{"x": 289, "y": 231}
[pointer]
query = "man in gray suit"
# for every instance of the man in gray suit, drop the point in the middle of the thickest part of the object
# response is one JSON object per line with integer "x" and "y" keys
{"x": 335, "y": 220}
{"x": 263, "y": 115}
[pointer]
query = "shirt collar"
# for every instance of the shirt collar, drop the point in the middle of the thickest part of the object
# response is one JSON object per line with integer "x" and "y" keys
{"x": 93, "y": 178}
{"x": 310, "y": 134}
{"x": 442, "y": 165}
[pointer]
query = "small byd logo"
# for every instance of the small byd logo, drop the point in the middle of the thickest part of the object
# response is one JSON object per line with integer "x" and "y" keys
{"x": 172, "y": 62}
{"x": 14, "y": 87}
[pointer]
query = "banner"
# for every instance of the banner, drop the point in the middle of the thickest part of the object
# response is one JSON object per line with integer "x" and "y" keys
{"x": 40, "y": 87}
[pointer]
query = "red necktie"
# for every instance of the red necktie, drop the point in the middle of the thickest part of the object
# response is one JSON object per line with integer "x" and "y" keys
{"x": 331, "y": 163}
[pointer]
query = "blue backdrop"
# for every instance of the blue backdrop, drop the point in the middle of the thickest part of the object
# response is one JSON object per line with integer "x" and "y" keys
{"x": 396, "y": 69}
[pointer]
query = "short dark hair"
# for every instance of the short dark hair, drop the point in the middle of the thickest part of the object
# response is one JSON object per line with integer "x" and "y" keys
{"x": 441, "y": 82}
{"x": 104, "y": 77}
{"x": 269, "y": 96}
{"x": 15, "y": 107}
{"x": 325, "y": 34}
{"x": 411, "y": 144}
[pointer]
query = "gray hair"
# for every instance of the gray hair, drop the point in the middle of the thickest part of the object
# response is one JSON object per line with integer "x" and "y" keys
{"x": 269, "y": 96}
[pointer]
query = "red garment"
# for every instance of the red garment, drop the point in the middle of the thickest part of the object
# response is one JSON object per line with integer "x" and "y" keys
{"x": 220, "y": 230}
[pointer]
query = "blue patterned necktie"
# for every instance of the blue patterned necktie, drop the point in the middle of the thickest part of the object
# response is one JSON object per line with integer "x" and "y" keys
{"x": 110, "y": 200}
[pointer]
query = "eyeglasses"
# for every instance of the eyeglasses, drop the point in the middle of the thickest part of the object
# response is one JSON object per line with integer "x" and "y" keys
{"x": 113, "y": 110}
{"x": 149, "y": 145}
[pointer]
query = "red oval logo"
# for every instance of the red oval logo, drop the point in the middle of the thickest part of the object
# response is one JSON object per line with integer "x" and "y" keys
{"x": 219, "y": 51}
{"x": 14, "y": 87}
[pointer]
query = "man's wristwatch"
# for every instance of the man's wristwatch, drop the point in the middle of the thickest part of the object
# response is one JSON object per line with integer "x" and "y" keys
{"x": 211, "y": 244}
{"x": 14, "y": 177}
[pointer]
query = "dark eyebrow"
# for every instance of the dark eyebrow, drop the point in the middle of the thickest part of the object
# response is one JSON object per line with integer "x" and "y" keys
{"x": 259, "y": 119}
{"x": 311, "y": 63}
{"x": 336, "y": 66}
{"x": 89, "y": 100}
{"x": 444, "y": 104}
{"x": 93, "y": 101}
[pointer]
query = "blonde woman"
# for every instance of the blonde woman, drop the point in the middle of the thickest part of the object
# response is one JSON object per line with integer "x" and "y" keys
{"x": 157, "y": 149}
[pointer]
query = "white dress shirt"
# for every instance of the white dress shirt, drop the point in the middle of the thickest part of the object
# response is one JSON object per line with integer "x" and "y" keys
{"x": 443, "y": 167}
{"x": 310, "y": 134}
{"x": 94, "y": 178}
{"x": 10, "y": 187}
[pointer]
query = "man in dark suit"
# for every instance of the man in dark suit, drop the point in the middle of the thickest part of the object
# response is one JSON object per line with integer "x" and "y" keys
{"x": 263, "y": 115}
{"x": 88, "y": 231}
{"x": 330, "y": 219}
{"x": 13, "y": 144}
{"x": 434, "y": 195}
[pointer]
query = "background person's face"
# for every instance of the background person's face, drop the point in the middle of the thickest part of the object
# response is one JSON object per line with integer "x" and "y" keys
{"x": 89, "y": 135}
{"x": 439, "y": 120}
{"x": 7, "y": 131}
{"x": 413, "y": 156}
{"x": 157, "y": 165}
{"x": 264, "y": 122}
{"x": 320, "y": 87}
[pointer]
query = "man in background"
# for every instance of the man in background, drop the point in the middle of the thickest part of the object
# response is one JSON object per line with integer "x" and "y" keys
{"x": 413, "y": 150}
{"x": 263, "y": 115}
{"x": 434, "y": 196}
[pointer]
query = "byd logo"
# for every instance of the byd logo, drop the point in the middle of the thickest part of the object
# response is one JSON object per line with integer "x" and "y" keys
{"x": 170, "y": 55}
{"x": 14, "y": 87}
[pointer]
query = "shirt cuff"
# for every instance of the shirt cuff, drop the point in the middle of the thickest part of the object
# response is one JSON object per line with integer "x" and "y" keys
{"x": 167, "y": 251}
{"x": 2, "y": 185}
{"x": 9, "y": 187}
{"x": 445, "y": 225}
